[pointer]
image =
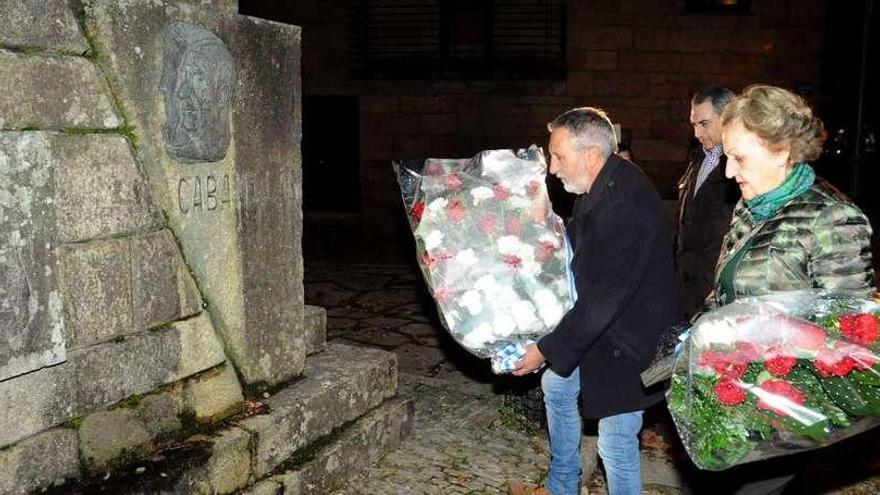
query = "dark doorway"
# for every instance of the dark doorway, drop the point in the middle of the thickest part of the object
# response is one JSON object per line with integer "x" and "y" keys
{"x": 331, "y": 157}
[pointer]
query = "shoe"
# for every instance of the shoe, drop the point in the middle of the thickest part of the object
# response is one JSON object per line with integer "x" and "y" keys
{"x": 526, "y": 489}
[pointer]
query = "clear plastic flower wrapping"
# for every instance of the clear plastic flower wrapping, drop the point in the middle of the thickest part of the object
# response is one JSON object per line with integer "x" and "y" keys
{"x": 775, "y": 375}
{"x": 493, "y": 253}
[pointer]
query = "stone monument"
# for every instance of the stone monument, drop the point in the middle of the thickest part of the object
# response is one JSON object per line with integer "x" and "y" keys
{"x": 214, "y": 101}
{"x": 150, "y": 260}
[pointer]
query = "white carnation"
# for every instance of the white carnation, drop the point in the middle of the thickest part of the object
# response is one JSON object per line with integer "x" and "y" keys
{"x": 503, "y": 324}
{"x": 481, "y": 194}
{"x": 478, "y": 336}
{"x": 471, "y": 301}
{"x": 548, "y": 307}
{"x": 437, "y": 206}
{"x": 486, "y": 284}
{"x": 524, "y": 315}
{"x": 509, "y": 245}
{"x": 433, "y": 240}
{"x": 466, "y": 257}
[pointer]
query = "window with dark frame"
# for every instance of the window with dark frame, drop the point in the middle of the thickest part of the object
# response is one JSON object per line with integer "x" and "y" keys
{"x": 718, "y": 6}
{"x": 484, "y": 39}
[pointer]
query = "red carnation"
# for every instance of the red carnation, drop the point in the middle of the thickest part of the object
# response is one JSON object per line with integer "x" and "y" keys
{"x": 861, "y": 329}
{"x": 455, "y": 211}
{"x": 862, "y": 358}
{"x": 488, "y": 223}
{"x": 445, "y": 254}
{"x": 513, "y": 261}
{"x": 514, "y": 226}
{"x": 417, "y": 210}
{"x": 727, "y": 364}
{"x": 729, "y": 393}
{"x": 532, "y": 188}
{"x": 429, "y": 261}
{"x": 500, "y": 192}
{"x": 781, "y": 389}
{"x": 831, "y": 362}
{"x": 545, "y": 251}
{"x": 442, "y": 293}
{"x": 453, "y": 181}
{"x": 777, "y": 362}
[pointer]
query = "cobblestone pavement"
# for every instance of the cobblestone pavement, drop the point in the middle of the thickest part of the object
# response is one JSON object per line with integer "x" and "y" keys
{"x": 465, "y": 438}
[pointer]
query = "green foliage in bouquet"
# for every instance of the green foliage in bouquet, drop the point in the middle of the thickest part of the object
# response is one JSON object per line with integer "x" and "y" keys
{"x": 792, "y": 387}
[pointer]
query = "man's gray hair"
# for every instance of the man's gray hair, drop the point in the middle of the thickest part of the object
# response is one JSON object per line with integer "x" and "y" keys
{"x": 590, "y": 127}
{"x": 718, "y": 95}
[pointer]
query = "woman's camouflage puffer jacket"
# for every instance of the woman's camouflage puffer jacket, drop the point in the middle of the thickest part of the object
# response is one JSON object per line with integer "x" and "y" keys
{"x": 817, "y": 240}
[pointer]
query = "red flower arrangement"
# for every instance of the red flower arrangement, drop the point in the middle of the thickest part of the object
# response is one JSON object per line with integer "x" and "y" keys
{"x": 742, "y": 380}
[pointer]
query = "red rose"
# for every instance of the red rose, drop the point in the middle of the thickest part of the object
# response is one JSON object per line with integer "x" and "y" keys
{"x": 729, "y": 393}
{"x": 513, "y": 261}
{"x": 777, "y": 362}
{"x": 781, "y": 389}
{"x": 861, "y": 329}
{"x": 500, "y": 192}
{"x": 488, "y": 223}
{"x": 514, "y": 226}
{"x": 544, "y": 251}
{"x": 831, "y": 362}
{"x": 455, "y": 211}
{"x": 805, "y": 335}
{"x": 453, "y": 182}
{"x": 417, "y": 210}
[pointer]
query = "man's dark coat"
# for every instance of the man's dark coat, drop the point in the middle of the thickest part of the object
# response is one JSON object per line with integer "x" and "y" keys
{"x": 702, "y": 222}
{"x": 627, "y": 291}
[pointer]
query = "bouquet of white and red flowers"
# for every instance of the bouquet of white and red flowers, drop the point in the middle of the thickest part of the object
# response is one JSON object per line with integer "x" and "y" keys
{"x": 774, "y": 375}
{"x": 493, "y": 253}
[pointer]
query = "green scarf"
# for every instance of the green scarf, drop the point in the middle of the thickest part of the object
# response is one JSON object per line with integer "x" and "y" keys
{"x": 764, "y": 206}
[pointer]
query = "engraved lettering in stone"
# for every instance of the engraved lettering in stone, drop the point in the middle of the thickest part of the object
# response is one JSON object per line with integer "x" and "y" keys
{"x": 198, "y": 80}
{"x": 203, "y": 193}
{"x": 181, "y": 186}
{"x": 197, "y": 193}
{"x": 211, "y": 192}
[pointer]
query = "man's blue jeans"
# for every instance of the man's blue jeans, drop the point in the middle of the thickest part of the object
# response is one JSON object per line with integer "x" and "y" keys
{"x": 618, "y": 440}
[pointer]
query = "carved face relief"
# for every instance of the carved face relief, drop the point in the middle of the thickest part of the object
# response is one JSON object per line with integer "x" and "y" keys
{"x": 198, "y": 80}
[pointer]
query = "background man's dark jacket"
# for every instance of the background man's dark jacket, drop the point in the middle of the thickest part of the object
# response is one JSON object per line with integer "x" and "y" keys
{"x": 627, "y": 294}
{"x": 702, "y": 222}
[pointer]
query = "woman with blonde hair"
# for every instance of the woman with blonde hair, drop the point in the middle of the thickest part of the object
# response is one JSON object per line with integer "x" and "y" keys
{"x": 791, "y": 230}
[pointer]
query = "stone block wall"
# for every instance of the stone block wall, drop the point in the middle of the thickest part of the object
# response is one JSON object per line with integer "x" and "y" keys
{"x": 105, "y": 344}
{"x": 638, "y": 59}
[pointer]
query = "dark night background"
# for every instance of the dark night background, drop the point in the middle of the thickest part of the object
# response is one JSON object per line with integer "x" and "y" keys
{"x": 386, "y": 79}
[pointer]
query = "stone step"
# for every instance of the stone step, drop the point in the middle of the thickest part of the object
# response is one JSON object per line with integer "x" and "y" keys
{"x": 341, "y": 415}
{"x": 348, "y": 453}
{"x": 315, "y": 324}
{"x": 340, "y": 385}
